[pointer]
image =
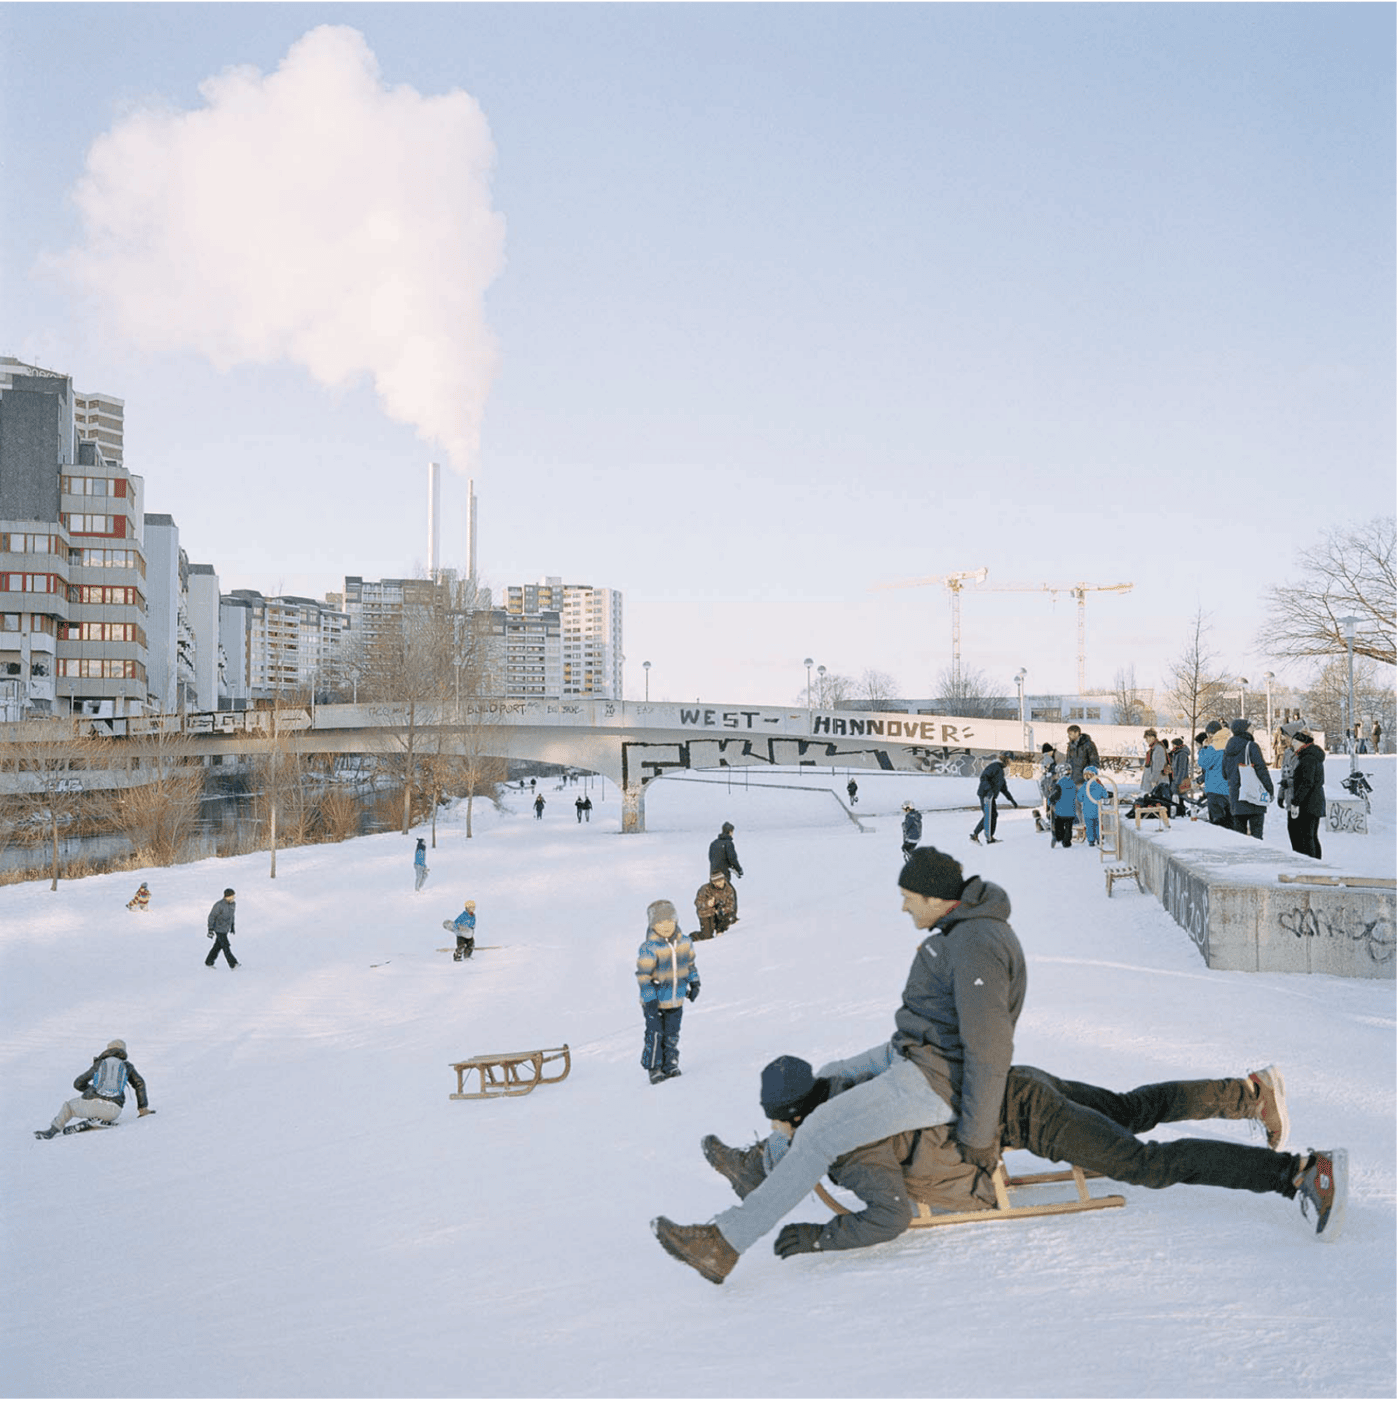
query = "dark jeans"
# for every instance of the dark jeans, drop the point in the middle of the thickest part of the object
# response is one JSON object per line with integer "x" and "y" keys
{"x": 221, "y": 944}
{"x": 661, "y": 1044}
{"x": 1071, "y": 1122}
{"x": 1064, "y": 831}
{"x": 1251, "y": 823}
{"x": 1218, "y": 810}
{"x": 1302, "y": 833}
{"x": 465, "y": 945}
{"x": 988, "y": 820}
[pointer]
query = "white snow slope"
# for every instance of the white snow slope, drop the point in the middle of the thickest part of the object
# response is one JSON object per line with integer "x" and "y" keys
{"x": 310, "y": 1215}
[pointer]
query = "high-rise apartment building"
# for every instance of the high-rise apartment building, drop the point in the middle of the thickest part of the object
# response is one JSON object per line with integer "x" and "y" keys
{"x": 291, "y": 646}
{"x": 588, "y": 662}
{"x": 100, "y": 419}
{"x": 72, "y": 562}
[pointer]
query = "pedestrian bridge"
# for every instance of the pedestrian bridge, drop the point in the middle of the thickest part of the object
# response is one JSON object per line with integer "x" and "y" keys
{"x": 630, "y": 742}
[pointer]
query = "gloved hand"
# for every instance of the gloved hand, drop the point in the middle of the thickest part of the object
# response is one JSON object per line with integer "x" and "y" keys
{"x": 985, "y": 1158}
{"x": 797, "y": 1238}
{"x": 737, "y": 872}
{"x": 209, "y": 934}
{"x": 1293, "y": 811}
{"x": 693, "y": 992}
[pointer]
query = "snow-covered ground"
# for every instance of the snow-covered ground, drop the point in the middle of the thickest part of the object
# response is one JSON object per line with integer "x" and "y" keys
{"x": 310, "y": 1215}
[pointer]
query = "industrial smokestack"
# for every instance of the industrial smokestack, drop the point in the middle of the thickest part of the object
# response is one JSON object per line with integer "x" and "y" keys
{"x": 434, "y": 518}
{"x": 471, "y": 528}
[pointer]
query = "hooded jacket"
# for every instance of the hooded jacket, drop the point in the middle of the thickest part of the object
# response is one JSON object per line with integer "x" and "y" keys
{"x": 958, "y": 1015}
{"x": 1307, "y": 794}
{"x": 1241, "y": 749}
{"x": 723, "y": 856}
{"x": 666, "y": 968}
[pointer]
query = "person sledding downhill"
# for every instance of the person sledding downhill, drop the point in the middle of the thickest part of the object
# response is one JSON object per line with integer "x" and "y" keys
{"x": 101, "y": 1091}
{"x": 464, "y": 927}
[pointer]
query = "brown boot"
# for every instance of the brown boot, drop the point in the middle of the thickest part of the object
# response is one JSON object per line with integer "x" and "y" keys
{"x": 742, "y": 1167}
{"x": 703, "y": 1247}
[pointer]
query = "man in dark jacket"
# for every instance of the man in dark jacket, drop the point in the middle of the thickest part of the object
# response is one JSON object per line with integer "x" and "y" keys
{"x": 102, "y": 1091}
{"x": 1180, "y": 760}
{"x": 911, "y": 829}
{"x": 1062, "y": 1121}
{"x": 951, "y": 1053}
{"x": 1307, "y": 804}
{"x": 1241, "y": 750}
{"x": 220, "y": 928}
{"x": 724, "y": 858}
{"x": 992, "y": 783}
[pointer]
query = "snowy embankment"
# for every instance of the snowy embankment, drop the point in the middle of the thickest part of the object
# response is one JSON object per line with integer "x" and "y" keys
{"x": 310, "y": 1215}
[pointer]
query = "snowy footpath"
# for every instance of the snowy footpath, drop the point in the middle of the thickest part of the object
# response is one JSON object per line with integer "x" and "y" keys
{"x": 309, "y": 1215}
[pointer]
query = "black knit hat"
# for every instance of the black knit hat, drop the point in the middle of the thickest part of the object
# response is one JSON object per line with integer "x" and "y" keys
{"x": 929, "y": 872}
{"x": 785, "y": 1084}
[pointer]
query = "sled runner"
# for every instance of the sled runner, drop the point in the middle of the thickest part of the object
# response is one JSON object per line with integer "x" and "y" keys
{"x": 508, "y": 1073}
{"x": 924, "y": 1216}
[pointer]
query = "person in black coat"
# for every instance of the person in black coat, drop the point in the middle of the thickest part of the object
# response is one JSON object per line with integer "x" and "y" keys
{"x": 724, "y": 858}
{"x": 1242, "y": 751}
{"x": 992, "y": 783}
{"x": 1307, "y": 804}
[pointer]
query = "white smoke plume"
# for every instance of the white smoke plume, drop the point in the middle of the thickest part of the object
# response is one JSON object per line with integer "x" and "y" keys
{"x": 312, "y": 215}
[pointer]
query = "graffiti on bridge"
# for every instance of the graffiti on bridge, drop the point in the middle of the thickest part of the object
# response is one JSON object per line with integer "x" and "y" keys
{"x": 1377, "y": 935}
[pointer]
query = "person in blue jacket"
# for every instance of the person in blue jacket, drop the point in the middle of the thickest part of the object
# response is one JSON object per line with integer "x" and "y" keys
{"x": 420, "y": 865}
{"x": 1091, "y": 795}
{"x": 1065, "y": 796}
{"x": 910, "y": 830}
{"x": 1212, "y": 760}
{"x": 465, "y": 927}
{"x": 666, "y": 979}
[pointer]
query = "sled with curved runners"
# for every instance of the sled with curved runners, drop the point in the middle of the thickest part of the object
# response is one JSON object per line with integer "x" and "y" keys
{"x": 1002, "y": 1184}
{"x": 509, "y": 1073}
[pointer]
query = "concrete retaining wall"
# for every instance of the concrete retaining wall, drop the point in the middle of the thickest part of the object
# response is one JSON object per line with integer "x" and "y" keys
{"x": 1224, "y": 890}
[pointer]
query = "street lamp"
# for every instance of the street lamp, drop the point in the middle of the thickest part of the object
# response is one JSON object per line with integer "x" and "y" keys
{"x": 1349, "y": 623}
{"x": 1243, "y": 682}
{"x": 1021, "y": 693}
{"x": 807, "y": 663}
{"x": 1269, "y": 701}
{"x": 646, "y": 672}
{"x": 821, "y": 685}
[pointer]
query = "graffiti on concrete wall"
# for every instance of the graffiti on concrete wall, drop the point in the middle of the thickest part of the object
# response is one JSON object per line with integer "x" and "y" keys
{"x": 1346, "y": 815}
{"x": 1186, "y": 898}
{"x": 1373, "y": 930}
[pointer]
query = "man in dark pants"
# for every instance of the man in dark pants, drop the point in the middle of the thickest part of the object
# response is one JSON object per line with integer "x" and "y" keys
{"x": 1307, "y": 804}
{"x": 1058, "y": 1120}
{"x": 992, "y": 783}
{"x": 220, "y": 928}
{"x": 724, "y": 857}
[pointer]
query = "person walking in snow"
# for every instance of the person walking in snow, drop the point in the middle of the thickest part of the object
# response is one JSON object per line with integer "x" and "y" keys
{"x": 951, "y": 1057}
{"x": 420, "y": 864}
{"x": 539, "y": 806}
{"x": 141, "y": 899}
{"x": 667, "y": 979}
{"x": 1243, "y": 753}
{"x": 220, "y": 927}
{"x": 723, "y": 856}
{"x": 851, "y": 791}
{"x": 716, "y": 905}
{"x": 464, "y": 927}
{"x": 587, "y": 809}
{"x": 1062, "y": 1121}
{"x": 992, "y": 783}
{"x": 911, "y": 830}
{"x": 101, "y": 1091}
{"x": 578, "y": 808}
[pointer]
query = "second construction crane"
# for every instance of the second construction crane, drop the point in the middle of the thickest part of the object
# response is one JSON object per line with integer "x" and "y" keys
{"x": 1078, "y": 591}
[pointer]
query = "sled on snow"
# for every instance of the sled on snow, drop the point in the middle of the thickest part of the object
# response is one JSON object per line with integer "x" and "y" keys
{"x": 509, "y": 1073}
{"x": 1002, "y": 1184}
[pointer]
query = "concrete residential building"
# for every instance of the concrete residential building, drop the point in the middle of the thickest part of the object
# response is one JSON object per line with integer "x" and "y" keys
{"x": 72, "y": 560}
{"x": 292, "y": 644}
{"x": 589, "y": 659}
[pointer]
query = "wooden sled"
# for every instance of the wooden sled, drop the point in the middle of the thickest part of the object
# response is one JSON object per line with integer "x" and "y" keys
{"x": 508, "y": 1073}
{"x": 924, "y": 1216}
{"x": 1155, "y": 811}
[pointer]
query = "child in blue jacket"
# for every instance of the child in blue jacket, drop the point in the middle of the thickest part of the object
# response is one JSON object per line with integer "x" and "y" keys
{"x": 1091, "y": 794}
{"x": 1063, "y": 793}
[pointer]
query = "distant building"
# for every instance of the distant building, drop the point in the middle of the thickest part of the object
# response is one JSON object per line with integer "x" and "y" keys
{"x": 72, "y": 559}
{"x": 285, "y": 648}
{"x": 588, "y": 660}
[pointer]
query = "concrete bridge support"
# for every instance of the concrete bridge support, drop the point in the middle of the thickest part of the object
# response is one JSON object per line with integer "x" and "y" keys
{"x": 634, "y": 812}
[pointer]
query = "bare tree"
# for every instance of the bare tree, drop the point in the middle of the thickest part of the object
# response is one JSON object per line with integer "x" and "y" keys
{"x": 157, "y": 806}
{"x": 876, "y": 687}
{"x": 1350, "y": 572}
{"x": 1196, "y": 685}
{"x": 1129, "y": 706}
{"x": 964, "y": 691}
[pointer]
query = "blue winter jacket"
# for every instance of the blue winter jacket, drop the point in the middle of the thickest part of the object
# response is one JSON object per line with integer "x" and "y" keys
{"x": 1212, "y": 762}
{"x": 666, "y": 969}
{"x": 1064, "y": 805}
{"x": 466, "y": 923}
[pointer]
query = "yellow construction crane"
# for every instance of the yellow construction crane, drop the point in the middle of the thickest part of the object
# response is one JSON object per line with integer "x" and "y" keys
{"x": 1078, "y": 591}
{"x": 954, "y": 584}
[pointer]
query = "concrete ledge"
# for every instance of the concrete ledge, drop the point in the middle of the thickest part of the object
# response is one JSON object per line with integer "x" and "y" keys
{"x": 1223, "y": 889}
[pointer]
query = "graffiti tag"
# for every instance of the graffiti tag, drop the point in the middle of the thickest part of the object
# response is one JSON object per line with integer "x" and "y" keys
{"x": 1378, "y": 935}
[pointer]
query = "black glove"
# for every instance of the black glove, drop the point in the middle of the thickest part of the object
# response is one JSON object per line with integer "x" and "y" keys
{"x": 797, "y": 1238}
{"x": 693, "y": 992}
{"x": 985, "y": 1158}
{"x": 209, "y": 934}
{"x": 737, "y": 872}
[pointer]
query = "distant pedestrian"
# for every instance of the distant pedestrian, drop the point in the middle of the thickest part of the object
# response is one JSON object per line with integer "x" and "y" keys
{"x": 724, "y": 857}
{"x": 539, "y": 805}
{"x": 1243, "y": 755}
{"x": 220, "y": 927}
{"x": 464, "y": 927}
{"x": 532, "y": 783}
{"x": 1045, "y": 780}
{"x": 141, "y": 899}
{"x": 578, "y": 808}
{"x": 587, "y": 809}
{"x": 851, "y": 791}
{"x": 666, "y": 978}
{"x": 101, "y": 1091}
{"x": 1180, "y": 759}
{"x": 1376, "y": 738}
{"x": 1307, "y": 804}
{"x": 1217, "y": 791}
{"x": 989, "y": 786}
{"x": 911, "y": 830}
{"x": 420, "y": 865}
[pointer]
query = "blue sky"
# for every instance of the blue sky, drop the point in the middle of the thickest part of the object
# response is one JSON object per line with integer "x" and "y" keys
{"x": 759, "y": 307}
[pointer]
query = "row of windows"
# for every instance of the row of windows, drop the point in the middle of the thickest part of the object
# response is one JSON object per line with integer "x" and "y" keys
{"x": 94, "y": 486}
{"x": 108, "y": 594}
{"x": 37, "y": 623}
{"x": 108, "y": 559}
{"x": 80, "y": 523}
{"x": 33, "y": 584}
{"x": 31, "y": 543}
{"x": 101, "y": 668}
{"x": 102, "y": 633}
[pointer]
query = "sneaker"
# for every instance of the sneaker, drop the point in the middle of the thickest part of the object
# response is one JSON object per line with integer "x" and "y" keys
{"x": 657, "y": 1077}
{"x": 974, "y": 837}
{"x": 1271, "y": 1106}
{"x": 1323, "y": 1185}
{"x": 742, "y": 1167}
{"x": 702, "y": 1247}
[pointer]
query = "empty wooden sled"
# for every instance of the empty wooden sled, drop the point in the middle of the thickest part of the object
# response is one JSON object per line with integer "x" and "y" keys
{"x": 509, "y": 1073}
{"x": 924, "y": 1216}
